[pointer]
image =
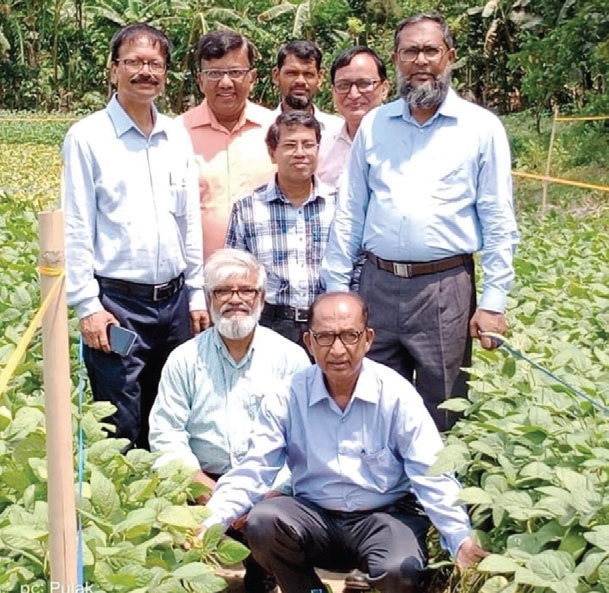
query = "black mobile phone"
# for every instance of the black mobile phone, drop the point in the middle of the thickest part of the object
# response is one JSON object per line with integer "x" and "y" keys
{"x": 121, "y": 339}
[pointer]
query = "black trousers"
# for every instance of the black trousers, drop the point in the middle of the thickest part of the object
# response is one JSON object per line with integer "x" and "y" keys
{"x": 422, "y": 330}
{"x": 131, "y": 382}
{"x": 288, "y": 328}
{"x": 289, "y": 536}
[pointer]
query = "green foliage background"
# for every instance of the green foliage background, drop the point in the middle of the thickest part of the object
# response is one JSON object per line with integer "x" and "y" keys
{"x": 533, "y": 458}
{"x": 512, "y": 53}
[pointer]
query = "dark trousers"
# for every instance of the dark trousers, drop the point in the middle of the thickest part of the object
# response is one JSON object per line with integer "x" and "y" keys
{"x": 422, "y": 330}
{"x": 288, "y": 328}
{"x": 131, "y": 382}
{"x": 289, "y": 536}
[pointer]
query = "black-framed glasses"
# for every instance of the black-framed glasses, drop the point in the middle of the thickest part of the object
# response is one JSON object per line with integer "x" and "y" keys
{"x": 226, "y": 294}
{"x": 432, "y": 53}
{"x": 135, "y": 65}
{"x": 348, "y": 337}
{"x": 363, "y": 85}
{"x": 217, "y": 74}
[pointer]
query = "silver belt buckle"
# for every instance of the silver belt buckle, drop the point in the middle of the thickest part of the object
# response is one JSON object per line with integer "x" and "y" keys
{"x": 159, "y": 288}
{"x": 403, "y": 270}
{"x": 297, "y": 315}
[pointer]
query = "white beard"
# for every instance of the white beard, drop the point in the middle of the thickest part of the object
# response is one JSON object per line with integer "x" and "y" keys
{"x": 237, "y": 327}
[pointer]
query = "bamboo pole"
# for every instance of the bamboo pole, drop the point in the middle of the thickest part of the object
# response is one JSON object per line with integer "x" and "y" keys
{"x": 57, "y": 392}
{"x": 546, "y": 181}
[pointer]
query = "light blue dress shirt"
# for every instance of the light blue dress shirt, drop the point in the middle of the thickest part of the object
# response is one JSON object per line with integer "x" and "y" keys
{"x": 365, "y": 457}
{"x": 131, "y": 206}
{"x": 420, "y": 193}
{"x": 207, "y": 403}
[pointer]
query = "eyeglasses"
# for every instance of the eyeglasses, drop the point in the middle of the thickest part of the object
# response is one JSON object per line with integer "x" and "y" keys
{"x": 217, "y": 74}
{"x": 432, "y": 53}
{"x": 292, "y": 147}
{"x": 226, "y": 294}
{"x": 347, "y": 337}
{"x": 363, "y": 85}
{"x": 135, "y": 65}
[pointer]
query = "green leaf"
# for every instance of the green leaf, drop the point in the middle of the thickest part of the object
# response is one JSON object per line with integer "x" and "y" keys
{"x": 497, "y": 563}
{"x": 177, "y": 516}
{"x": 103, "y": 495}
{"x": 455, "y": 404}
{"x": 551, "y": 565}
{"x": 192, "y": 571}
{"x": 599, "y": 536}
{"x": 474, "y": 495}
{"x": 231, "y": 552}
{"x": 498, "y": 584}
{"x": 137, "y": 523}
{"x": 211, "y": 538}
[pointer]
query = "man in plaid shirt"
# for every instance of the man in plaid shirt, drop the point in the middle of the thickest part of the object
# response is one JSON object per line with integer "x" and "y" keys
{"x": 286, "y": 223}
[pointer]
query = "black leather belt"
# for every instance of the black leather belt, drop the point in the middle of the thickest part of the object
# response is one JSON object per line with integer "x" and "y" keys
{"x": 300, "y": 315}
{"x": 150, "y": 292}
{"x": 411, "y": 269}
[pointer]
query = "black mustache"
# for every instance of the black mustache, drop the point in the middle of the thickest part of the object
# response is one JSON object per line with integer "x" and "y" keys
{"x": 139, "y": 79}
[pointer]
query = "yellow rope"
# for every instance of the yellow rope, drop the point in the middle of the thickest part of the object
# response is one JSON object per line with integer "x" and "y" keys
{"x": 13, "y": 361}
{"x": 583, "y": 118}
{"x": 562, "y": 181}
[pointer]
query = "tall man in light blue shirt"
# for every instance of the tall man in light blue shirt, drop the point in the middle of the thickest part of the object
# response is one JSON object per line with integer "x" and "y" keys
{"x": 429, "y": 184}
{"x": 133, "y": 238}
{"x": 211, "y": 386}
{"x": 359, "y": 443}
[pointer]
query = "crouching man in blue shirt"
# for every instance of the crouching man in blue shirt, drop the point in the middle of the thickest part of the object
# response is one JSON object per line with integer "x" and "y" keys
{"x": 359, "y": 442}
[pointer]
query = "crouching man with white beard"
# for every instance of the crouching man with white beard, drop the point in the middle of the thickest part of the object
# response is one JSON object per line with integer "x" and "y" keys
{"x": 211, "y": 386}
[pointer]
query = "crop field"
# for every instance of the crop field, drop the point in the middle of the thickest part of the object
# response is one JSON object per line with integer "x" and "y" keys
{"x": 532, "y": 454}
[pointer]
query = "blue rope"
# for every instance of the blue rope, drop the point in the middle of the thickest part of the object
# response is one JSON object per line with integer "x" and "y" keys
{"x": 80, "y": 565}
{"x": 499, "y": 340}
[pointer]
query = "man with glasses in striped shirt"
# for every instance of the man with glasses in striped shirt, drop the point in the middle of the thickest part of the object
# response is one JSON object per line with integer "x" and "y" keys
{"x": 286, "y": 223}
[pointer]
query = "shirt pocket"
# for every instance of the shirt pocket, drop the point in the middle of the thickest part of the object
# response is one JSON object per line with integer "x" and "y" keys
{"x": 178, "y": 196}
{"x": 453, "y": 181}
{"x": 384, "y": 469}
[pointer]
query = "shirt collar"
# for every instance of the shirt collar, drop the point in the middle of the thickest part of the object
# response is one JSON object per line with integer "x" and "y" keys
{"x": 366, "y": 388}
{"x": 204, "y": 116}
{"x": 225, "y": 354}
{"x": 123, "y": 123}
{"x": 448, "y": 108}
{"x": 273, "y": 192}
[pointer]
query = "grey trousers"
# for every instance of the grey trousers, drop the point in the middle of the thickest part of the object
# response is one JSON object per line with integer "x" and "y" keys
{"x": 289, "y": 536}
{"x": 422, "y": 330}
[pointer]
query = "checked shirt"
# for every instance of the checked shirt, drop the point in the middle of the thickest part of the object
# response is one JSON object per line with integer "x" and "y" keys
{"x": 288, "y": 241}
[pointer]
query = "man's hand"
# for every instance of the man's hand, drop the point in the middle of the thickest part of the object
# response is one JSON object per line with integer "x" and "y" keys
{"x": 94, "y": 329}
{"x": 487, "y": 321}
{"x": 199, "y": 320}
{"x": 468, "y": 553}
{"x": 204, "y": 479}
{"x": 190, "y": 542}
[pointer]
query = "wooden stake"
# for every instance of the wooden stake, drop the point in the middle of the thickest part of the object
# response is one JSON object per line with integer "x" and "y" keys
{"x": 546, "y": 182}
{"x": 57, "y": 393}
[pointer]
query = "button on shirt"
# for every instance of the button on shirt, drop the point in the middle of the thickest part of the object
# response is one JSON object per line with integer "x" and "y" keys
{"x": 365, "y": 457}
{"x": 420, "y": 193}
{"x": 333, "y": 156}
{"x": 288, "y": 241}
{"x": 207, "y": 402}
{"x": 231, "y": 164}
{"x": 130, "y": 206}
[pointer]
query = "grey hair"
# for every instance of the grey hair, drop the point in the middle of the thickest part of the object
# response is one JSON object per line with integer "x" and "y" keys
{"x": 224, "y": 263}
{"x": 418, "y": 18}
